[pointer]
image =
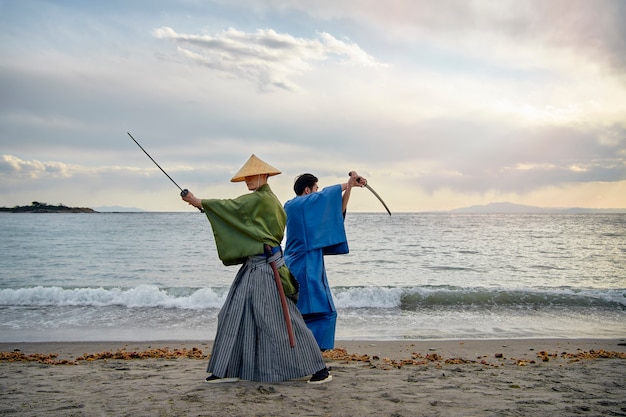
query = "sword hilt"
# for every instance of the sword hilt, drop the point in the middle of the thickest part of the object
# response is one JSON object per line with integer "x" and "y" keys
{"x": 357, "y": 180}
{"x": 184, "y": 193}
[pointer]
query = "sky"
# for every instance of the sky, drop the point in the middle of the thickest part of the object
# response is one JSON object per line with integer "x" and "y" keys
{"x": 439, "y": 104}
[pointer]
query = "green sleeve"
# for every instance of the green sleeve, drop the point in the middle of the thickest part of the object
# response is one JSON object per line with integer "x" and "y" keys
{"x": 241, "y": 226}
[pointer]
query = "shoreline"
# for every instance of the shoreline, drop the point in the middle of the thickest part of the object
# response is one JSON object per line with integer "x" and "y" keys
{"x": 495, "y": 377}
{"x": 393, "y": 349}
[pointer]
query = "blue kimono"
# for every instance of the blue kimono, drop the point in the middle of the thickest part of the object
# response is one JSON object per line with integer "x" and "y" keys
{"x": 315, "y": 228}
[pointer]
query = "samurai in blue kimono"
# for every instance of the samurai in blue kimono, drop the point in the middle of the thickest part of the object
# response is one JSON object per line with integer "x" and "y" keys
{"x": 315, "y": 227}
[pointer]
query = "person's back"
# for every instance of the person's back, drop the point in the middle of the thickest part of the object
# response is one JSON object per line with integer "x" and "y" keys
{"x": 315, "y": 227}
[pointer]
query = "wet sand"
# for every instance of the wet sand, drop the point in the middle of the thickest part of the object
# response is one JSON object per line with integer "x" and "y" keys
{"x": 527, "y": 377}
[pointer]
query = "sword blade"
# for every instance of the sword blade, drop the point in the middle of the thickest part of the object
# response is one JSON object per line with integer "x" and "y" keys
{"x": 158, "y": 166}
{"x": 378, "y": 197}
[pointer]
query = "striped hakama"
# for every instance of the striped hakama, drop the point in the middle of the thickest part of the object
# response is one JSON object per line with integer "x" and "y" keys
{"x": 252, "y": 342}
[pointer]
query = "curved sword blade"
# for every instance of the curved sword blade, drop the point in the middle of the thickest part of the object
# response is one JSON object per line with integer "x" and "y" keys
{"x": 373, "y": 192}
{"x": 378, "y": 197}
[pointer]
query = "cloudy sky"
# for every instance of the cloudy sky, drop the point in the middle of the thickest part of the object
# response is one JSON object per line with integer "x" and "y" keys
{"x": 440, "y": 104}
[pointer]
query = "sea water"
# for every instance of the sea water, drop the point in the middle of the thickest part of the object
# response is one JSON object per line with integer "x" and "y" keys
{"x": 156, "y": 276}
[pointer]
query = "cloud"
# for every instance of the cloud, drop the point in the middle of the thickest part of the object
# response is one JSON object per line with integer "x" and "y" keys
{"x": 510, "y": 29}
{"x": 11, "y": 166}
{"x": 265, "y": 57}
{"x": 435, "y": 102}
{"x": 33, "y": 171}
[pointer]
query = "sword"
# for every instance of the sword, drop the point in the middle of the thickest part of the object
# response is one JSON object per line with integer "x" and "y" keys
{"x": 373, "y": 192}
{"x": 184, "y": 192}
{"x": 281, "y": 294}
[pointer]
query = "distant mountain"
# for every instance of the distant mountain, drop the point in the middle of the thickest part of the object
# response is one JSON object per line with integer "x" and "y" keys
{"x": 505, "y": 207}
{"x": 118, "y": 209}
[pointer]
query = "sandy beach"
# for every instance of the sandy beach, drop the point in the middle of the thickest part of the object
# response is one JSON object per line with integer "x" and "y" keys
{"x": 527, "y": 377}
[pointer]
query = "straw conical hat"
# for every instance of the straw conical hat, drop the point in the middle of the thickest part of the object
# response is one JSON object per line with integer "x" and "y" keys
{"x": 254, "y": 166}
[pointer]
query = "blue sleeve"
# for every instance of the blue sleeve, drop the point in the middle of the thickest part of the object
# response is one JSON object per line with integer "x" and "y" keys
{"x": 316, "y": 221}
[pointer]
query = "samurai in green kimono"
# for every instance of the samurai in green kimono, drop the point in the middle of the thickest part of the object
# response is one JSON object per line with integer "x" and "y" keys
{"x": 261, "y": 335}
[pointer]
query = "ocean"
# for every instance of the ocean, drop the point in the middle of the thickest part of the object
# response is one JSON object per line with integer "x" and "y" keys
{"x": 409, "y": 276}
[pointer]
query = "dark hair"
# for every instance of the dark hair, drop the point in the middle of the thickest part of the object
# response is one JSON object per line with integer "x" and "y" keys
{"x": 303, "y": 181}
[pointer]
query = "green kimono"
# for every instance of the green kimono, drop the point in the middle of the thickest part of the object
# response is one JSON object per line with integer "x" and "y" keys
{"x": 242, "y": 225}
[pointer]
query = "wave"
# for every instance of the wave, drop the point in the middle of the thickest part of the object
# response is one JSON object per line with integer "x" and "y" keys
{"x": 415, "y": 298}
{"x": 404, "y": 298}
{"x": 141, "y": 296}
{"x": 512, "y": 298}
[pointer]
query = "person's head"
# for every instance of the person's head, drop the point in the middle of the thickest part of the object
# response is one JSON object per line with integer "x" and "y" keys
{"x": 255, "y": 173}
{"x": 305, "y": 184}
{"x": 254, "y": 182}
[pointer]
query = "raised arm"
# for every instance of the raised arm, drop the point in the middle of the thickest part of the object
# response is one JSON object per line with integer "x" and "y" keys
{"x": 355, "y": 180}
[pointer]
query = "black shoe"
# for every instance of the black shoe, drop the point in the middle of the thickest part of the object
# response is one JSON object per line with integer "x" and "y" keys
{"x": 212, "y": 379}
{"x": 320, "y": 377}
